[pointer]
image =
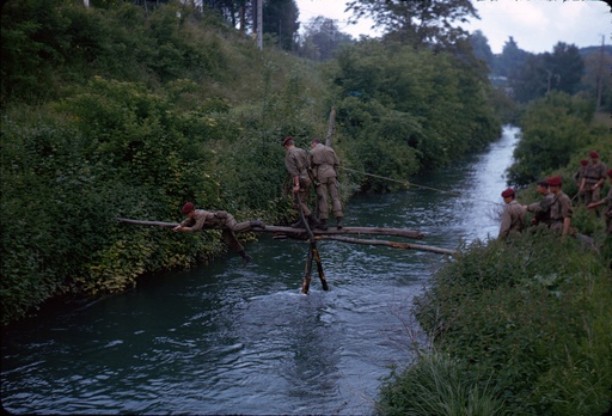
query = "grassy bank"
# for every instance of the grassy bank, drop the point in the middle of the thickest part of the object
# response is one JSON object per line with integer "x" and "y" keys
{"x": 518, "y": 327}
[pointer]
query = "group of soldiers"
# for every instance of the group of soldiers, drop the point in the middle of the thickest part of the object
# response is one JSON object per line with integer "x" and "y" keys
{"x": 555, "y": 208}
{"x": 318, "y": 167}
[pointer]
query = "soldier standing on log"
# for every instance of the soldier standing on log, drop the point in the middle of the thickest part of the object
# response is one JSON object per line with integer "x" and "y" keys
{"x": 199, "y": 219}
{"x": 324, "y": 164}
{"x": 297, "y": 163}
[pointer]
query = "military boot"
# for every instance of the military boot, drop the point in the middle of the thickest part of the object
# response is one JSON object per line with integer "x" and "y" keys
{"x": 298, "y": 224}
{"x": 245, "y": 257}
{"x": 322, "y": 225}
{"x": 339, "y": 223}
{"x": 258, "y": 224}
{"x": 312, "y": 221}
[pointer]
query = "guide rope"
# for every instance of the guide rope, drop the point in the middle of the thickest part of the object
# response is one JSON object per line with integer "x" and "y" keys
{"x": 409, "y": 184}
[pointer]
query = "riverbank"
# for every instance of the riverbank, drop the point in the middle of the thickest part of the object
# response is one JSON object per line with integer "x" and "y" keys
{"x": 521, "y": 326}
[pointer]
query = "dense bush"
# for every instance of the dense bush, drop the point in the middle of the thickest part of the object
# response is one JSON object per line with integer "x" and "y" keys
{"x": 426, "y": 109}
{"x": 553, "y": 131}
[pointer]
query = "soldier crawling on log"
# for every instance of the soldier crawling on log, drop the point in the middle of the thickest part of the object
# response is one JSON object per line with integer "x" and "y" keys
{"x": 199, "y": 219}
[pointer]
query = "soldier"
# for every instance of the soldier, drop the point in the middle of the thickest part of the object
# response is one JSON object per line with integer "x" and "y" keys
{"x": 561, "y": 208}
{"x": 541, "y": 209}
{"x": 324, "y": 163}
{"x": 199, "y": 219}
{"x": 513, "y": 217}
{"x": 608, "y": 200}
{"x": 578, "y": 178}
{"x": 593, "y": 179}
{"x": 297, "y": 163}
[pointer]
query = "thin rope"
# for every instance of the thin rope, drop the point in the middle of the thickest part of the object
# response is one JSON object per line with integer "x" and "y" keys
{"x": 409, "y": 184}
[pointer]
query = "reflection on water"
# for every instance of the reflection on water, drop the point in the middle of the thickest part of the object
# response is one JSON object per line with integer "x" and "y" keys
{"x": 228, "y": 338}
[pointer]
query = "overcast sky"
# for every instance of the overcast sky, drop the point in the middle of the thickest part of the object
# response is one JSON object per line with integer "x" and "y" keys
{"x": 535, "y": 25}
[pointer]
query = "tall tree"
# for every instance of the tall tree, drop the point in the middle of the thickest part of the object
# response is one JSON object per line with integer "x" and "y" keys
{"x": 566, "y": 66}
{"x": 280, "y": 18}
{"x": 482, "y": 50}
{"x": 532, "y": 80}
{"x": 540, "y": 74}
{"x": 511, "y": 59}
{"x": 322, "y": 38}
{"x": 419, "y": 22}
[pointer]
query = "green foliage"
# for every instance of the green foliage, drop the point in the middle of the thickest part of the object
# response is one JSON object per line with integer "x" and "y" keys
{"x": 437, "y": 385}
{"x": 534, "y": 313}
{"x": 554, "y": 128}
{"x": 428, "y": 108}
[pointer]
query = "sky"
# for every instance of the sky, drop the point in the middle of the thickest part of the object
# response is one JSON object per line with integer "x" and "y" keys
{"x": 535, "y": 25}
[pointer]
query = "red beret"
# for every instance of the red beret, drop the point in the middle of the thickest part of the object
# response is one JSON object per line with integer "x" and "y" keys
{"x": 584, "y": 162}
{"x": 286, "y": 140}
{"x": 594, "y": 155}
{"x": 508, "y": 192}
{"x": 610, "y": 173}
{"x": 187, "y": 208}
{"x": 554, "y": 181}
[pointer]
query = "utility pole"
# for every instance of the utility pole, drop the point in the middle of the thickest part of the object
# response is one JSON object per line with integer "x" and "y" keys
{"x": 599, "y": 74}
{"x": 260, "y": 24}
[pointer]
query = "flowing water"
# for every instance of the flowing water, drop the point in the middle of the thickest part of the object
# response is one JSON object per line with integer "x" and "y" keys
{"x": 232, "y": 339}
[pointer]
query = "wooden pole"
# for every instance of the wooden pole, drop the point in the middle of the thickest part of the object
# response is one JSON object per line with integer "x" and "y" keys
{"x": 312, "y": 255}
{"x": 331, "y": 127}
{"x": 394, "y": 244}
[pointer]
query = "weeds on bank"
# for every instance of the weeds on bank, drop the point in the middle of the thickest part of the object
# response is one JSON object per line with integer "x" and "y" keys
{"x": 525, "y": 323}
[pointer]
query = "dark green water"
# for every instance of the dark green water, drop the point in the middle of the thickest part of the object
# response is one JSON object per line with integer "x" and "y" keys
{"x": 234, "y": 339}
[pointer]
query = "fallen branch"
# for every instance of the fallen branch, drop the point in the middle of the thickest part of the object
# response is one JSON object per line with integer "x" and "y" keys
{"x": 394, "y": 244}
{"x": 149, "y": 223}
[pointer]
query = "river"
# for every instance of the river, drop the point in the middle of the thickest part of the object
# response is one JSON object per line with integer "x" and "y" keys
{"x": 233, "y": 339}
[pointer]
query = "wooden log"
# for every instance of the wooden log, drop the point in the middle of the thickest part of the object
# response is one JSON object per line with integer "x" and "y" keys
{"x": 397, "y": 232}
{"x": 148, "y": 223}
{"x": 301, "y": 232}
{"x": 394, "y": 244}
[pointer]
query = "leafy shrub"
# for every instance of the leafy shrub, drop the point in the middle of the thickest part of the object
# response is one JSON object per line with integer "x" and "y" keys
{"x": 528, "y": 311}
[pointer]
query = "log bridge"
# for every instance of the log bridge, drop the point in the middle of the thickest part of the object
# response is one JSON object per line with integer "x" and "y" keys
{"x": 332, "y": 233}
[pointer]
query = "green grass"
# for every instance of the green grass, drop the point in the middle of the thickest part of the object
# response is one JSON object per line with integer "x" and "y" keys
{"x": 524, "y": 326}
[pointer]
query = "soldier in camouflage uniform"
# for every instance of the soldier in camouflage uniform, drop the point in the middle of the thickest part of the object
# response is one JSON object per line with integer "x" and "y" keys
{"x": 199, "y": 219}
{"x": 324, "y": 163}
